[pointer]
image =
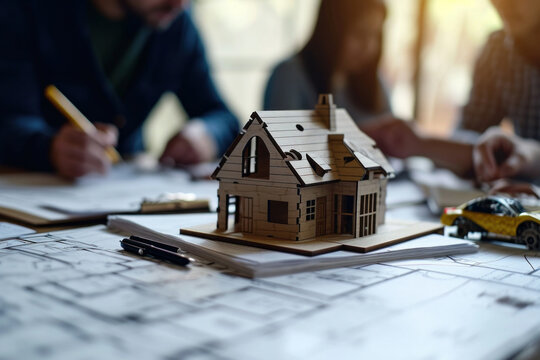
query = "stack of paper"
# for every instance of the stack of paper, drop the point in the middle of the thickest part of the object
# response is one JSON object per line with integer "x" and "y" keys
{"x": 10, "y": 231}
{"x": 256, "y": 262}
{"x": 41, "y": 199}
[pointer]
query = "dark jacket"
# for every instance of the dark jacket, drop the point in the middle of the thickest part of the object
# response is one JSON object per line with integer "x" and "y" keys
{"x": 47, "y": 42}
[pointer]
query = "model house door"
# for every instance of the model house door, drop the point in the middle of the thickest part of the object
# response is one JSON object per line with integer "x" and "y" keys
{"x": 321, "y": 216}
{"x": 246, "y": 214}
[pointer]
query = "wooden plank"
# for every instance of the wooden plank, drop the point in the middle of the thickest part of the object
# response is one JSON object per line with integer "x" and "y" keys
{"x": 276, "y": 177}
{"x": 291, "y": 229}
{"x": 301, "y": 164}
{"x": 247, "y": 181}
{"x": 234, "y": 171}
{"x": 292, "y": 214}
{"x": 237, "y": 159}
{"x": 350, "y": 178}
{"x": 273, "y": 114}
{"x": 243, "y": 188}
{"x": 279, "y": 161}
{"x": 324, "y": 154}
{"x": 303, "y": 148}
{"x": 348, "y": 186}
{"x": 296, "y": 133}
{"x": 357, "y": 172}
{"x": 391, "y": 233}
{"x": 306, "y": 247}
{"x": 231, "y": 168}
{"x": 305, "y": 171}
{"x": 292, "y": 120}
{"x": 312, "y": 125}
{"x": 312, "y": 179}
{"x": 282, "y": 179}
{"x": 282, "y": 170}
{"x": 295, "y": 142}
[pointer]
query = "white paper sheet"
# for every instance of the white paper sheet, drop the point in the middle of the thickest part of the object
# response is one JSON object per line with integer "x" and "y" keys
{"x": 257, "y": 262}
{"x": 44, "y": 198}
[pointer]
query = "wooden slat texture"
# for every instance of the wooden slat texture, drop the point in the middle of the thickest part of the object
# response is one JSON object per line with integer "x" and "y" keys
{"x": 391, "y": 233}
{"x": 244, "y": 189}
{"x": 295, "y": 142}
{"x": 308, "y": 248}
{"x": 305, "y": 132}
{"x": 284, "y": 180}
{"x": 265, "y": 115}
{"x": 314, "y": 125}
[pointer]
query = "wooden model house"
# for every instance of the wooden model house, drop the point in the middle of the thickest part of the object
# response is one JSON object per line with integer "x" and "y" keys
{"x": 298, "y": 175}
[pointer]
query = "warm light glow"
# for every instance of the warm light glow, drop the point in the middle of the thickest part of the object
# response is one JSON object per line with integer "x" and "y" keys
{"x": 246, "y": 38}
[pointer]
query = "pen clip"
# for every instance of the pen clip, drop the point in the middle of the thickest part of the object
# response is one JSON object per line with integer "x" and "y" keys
{"x": 132, "y": 248}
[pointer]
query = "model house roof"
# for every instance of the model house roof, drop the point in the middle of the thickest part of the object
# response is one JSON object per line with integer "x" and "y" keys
{"x": 320, "y": 145}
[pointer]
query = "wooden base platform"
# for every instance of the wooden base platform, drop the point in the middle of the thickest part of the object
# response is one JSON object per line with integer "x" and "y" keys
{"x": 392, "y": 232}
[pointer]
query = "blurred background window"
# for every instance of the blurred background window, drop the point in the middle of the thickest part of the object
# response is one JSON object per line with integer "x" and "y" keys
{"x": 429, "y": 54}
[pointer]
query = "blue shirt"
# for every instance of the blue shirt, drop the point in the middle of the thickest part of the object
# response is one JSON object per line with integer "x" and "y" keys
{"x": 48, "y": 42}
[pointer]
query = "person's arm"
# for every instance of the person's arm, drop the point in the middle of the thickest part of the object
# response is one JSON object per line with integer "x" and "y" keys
{"x": 25, "y": 137}
{"x": 202, "y": 102}
{"x": 453, "y": 155}
{"x": 398, "y": 138}
{"x": 484, "y": 109}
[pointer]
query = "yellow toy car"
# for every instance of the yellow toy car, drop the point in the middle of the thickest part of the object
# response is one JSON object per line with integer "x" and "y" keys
{"x": 496, "y": 215}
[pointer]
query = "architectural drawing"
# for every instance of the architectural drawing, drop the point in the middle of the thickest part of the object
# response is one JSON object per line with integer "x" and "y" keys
{"x": 76, "y": 295}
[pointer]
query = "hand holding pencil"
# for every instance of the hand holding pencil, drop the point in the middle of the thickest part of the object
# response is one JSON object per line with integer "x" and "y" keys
{"x": 80, "y": 148}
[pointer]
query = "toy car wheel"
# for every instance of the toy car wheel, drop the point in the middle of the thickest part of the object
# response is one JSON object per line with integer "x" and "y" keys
{"x": 529, "y": 234}
{"x": 464, "y": 226}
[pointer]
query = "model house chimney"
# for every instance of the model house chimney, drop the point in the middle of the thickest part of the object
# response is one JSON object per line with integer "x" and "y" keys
{"x": 327, "y": 110}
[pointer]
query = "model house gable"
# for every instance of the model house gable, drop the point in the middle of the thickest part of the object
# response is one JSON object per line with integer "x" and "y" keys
{"x": 255, "y": 157}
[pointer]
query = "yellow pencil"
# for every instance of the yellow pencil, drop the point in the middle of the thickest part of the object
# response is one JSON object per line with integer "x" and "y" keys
{"x": 76, "y": 118}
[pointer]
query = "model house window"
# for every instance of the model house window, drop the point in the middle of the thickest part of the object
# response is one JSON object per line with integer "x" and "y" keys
{"x": 336, "y": 214}
{"x": 233, "y": 207}
{"x": 278, "y": 212}
{"x": 367, "y": 221}
{"x": 347, "y": 214}
{"x": 256, "y": 159}
{"x": 310, "y": 210}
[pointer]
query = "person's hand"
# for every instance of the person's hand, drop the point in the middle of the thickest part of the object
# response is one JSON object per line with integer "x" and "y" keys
{"x": 499, "y": 155}
{"x": 192, "y": 145}
{"x": 75, "y": 153}
{"x": 395, "y": 137}
{"x": 515, "y": 189}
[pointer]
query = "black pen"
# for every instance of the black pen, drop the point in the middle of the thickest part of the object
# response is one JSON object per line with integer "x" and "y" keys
{"x": 160, "y": 253}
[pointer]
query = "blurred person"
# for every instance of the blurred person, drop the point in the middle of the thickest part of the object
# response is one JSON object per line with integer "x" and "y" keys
{"x": 341, "y": 57}
{"x": 506, "y": 85}
{"x": 113, "y": 59}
